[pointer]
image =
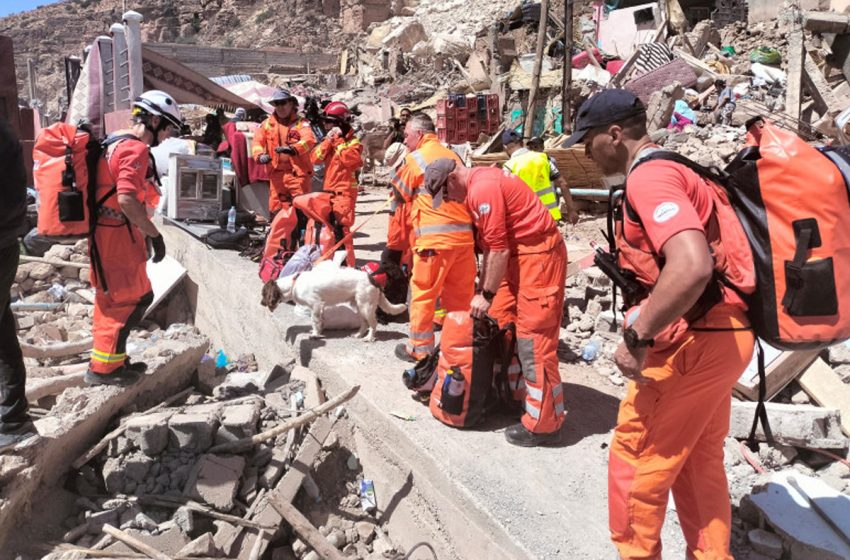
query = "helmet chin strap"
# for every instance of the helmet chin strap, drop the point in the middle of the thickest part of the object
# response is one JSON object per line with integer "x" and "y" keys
{"x": 145, "y": 120}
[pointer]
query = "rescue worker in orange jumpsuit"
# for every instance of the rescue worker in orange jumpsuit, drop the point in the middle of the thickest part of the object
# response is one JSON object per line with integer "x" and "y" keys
{"x": 522, "y": 281}
{"x": 675, "y": 417}
{"x": 283, "y": 142}
{"x": 126, "y": 196}
{"x": 342, "y": 154}
{"x": 444, "y": 264}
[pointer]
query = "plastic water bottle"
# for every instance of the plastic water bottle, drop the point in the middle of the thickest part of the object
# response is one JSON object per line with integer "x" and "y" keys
{"x": 455, "y": 382}
{"x": 590, "y": 350}
{"x": 231, "y": 220}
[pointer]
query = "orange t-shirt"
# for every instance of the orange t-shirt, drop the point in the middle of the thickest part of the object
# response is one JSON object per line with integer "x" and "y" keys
{"x": 508, "y": 215}
{"x": 669, "y": 198}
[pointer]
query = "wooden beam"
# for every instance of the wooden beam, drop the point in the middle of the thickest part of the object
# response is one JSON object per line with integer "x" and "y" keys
{"x": 567, "y": 73}
{"x": 623, "y": 74}
{"x": 61, "y": 350}
{"x": 302, "y": 526}
{"x": 796, "y": 62}
{"x": 55, "y": 262}
{"x": 134, "y": 543}
{"x": 778, "y": 373}
{"x": 245, "y": 443}
{"x": 527, "y": 130}
{"x": 826, "y": 388}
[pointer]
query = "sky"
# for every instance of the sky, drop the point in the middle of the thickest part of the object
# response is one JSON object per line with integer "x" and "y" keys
{"x": 14, "y": 6}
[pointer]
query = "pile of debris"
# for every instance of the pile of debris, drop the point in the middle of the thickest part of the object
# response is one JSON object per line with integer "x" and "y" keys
{"x": 214, "y": 472}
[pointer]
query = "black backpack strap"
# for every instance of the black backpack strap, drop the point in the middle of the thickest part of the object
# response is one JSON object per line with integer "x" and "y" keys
{"x": 761, "y": 409}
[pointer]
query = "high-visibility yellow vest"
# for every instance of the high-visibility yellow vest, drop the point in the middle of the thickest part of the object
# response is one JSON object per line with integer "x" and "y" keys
{"x": 533, "y": 169}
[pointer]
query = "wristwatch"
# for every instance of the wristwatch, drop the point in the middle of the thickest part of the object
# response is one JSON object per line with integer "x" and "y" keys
{"x": 488, "y": 295}
{"x": 633, "y": 341}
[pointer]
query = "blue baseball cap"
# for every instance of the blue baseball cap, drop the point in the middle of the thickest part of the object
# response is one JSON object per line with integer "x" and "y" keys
{"x": 604, "y": 108}
{"x": 510, "y": 136}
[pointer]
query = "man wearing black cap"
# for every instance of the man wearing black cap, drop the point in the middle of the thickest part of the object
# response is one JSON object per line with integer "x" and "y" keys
{"x": 673, "y": 422}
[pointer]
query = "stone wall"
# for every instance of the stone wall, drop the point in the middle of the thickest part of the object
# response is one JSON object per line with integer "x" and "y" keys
{"x": 357, "y": 15}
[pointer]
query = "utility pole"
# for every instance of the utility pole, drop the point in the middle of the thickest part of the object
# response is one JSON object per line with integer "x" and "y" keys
{"x": 567, "y": 81}
{"x": 527, "y": 131}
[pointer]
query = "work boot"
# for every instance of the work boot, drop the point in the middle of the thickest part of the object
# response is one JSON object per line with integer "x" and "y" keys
{"x": 138, "y": 367}
{"x": 17, "y": 426}
{"x": 402, "y": 354}
{"x": 519, "y": 435}
{"x": 122, "y": 377}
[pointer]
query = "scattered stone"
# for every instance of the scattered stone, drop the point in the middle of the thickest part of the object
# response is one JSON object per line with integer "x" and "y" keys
{"x": 312, "y": 555}
{"x": 337, "y": 538}
{"x": 215, "y": 480}
{"x": 203, "y": 546}
{"x": 238, "y": 422}
{"x": 839, "y": 354}
{"x": 150, "y": 432}
{"x": 299, "y": 547}
{"x": 192, "y": 430}
{"x": 365, "y": 531}
{"x": 765, "y": 543}
{"x": 41, "y": 271}
{"x": 113, "y": 476}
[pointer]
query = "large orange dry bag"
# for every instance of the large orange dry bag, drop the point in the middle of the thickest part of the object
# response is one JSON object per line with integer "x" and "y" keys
{"x": 472, "y": 371}
{"x": 61, "y": 177}
{"x": 793, "y": 203}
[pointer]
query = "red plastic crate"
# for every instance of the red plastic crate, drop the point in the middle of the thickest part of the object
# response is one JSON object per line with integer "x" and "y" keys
{"x": 473, "y": 129}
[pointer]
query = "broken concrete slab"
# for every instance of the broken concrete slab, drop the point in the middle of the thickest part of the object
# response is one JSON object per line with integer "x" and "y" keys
{"x": 827, "y": 389}
{"x": 150, "y": 432}
{"x": 791, "y": 424}
{"x": 805, "y": 533}
{"x": 80, "y": 415}
{"x": 215, "y": 480}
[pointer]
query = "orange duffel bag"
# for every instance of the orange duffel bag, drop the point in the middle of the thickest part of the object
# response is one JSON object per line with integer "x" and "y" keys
{"x": 61, "y": 177}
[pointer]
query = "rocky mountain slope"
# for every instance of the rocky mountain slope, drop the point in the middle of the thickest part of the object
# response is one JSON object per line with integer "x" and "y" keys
{"x": 51, "y": 32}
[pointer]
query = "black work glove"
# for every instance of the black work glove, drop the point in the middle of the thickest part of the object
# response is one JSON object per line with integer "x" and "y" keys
{"x": 158, "y": 247}
{"x": 265, "y": 158}
{"x": 288, "y": 150}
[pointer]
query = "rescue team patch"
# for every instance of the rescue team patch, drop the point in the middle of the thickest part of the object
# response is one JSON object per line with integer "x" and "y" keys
{"x": 665, "y": 211}
{"x": 483, "y": 209}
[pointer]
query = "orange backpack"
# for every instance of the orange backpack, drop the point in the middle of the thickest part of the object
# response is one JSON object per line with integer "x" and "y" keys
{"x": 61, "y": 177}
{"x": 791, "y": 201}
{"x": 477, "y": 371}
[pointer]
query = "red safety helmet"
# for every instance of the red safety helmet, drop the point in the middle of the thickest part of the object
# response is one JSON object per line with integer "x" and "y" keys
{"x": 338, "y": 111}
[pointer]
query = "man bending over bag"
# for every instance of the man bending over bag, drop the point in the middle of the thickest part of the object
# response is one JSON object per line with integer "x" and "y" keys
{"x": 521, "y": 280}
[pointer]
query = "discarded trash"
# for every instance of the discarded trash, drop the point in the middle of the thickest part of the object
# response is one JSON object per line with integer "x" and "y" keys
{"x": 403, "y": 416}
{"x": 221, "y": 359}
{"x": 57, "y": 291}
{"x": 590, "y": 350}
{"x": 765, "y": 55}
{"x": 367, "y": 495}
{"x": 231, "y": 220}
{"x": 339, "y": 412}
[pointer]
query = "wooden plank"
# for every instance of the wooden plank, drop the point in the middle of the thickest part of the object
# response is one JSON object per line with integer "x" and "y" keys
{"x": 780, "y": 369}
{"x": 796, "y": 61}
{"x": 302, "y": 526}
{"x": 291, "y": 482}
{"x": 826, "y": 388}
{"x": 621, "y": 76}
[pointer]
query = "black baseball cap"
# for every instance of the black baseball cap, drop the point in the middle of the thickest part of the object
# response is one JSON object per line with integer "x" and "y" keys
{"x": 604, "y": 108}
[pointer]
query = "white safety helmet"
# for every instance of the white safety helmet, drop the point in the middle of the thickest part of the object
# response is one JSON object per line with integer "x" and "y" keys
{"x": 160, "y": 104}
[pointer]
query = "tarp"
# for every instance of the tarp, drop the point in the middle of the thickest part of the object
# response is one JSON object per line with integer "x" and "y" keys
{"x": 254, "y": 91}
{"x": 186, "y": 85}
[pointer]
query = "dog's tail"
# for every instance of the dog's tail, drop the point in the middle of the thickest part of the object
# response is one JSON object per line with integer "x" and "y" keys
{"x": 390, "y": 308}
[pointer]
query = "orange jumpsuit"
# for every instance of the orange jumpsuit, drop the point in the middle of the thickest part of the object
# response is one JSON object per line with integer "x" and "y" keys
{"x": 670, "y": 431}
{"x": 342, "y": 157}
{"x": 509, "y": 216}
{"x": 443, "y": 246}
{"x": 119, "y": 253}
{"x": 289, "y": 176}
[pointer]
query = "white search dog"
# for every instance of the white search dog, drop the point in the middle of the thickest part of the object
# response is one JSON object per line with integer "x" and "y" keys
{"x": 328, "y": 284}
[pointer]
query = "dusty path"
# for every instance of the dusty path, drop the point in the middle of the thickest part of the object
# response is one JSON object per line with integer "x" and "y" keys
{"x": 533, "y": 503}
